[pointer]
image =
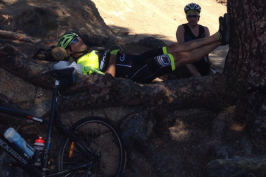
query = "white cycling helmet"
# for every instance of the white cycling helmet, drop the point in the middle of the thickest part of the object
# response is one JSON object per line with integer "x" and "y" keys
{"x": 192, "y": 6}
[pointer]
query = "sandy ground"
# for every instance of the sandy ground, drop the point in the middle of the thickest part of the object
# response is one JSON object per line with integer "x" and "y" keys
{"x": 160, "y": 19}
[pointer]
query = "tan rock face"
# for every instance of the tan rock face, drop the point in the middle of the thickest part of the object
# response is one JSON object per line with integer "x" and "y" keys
{"x": 51, "y": 18}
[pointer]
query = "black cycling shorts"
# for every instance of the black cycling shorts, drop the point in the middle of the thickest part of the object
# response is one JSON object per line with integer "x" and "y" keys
{"x": 141, "y": 69}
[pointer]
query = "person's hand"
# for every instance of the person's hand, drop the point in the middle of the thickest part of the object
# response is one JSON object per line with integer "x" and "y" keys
{"x": 114, "y": 50}
{"x": 90, "y": 70}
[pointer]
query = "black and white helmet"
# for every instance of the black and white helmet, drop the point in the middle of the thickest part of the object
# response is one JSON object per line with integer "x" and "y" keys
{"x": 192, "y": 6}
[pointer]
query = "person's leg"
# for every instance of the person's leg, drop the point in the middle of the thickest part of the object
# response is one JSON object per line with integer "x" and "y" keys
{"x": 155, "y": 67}
{"x": 167, "y": 63}
{"x": 188, "y": 46}
{"x": 177, "y": 55}
{"x": 223, "y": 35}
{"x": 182, "y": 58}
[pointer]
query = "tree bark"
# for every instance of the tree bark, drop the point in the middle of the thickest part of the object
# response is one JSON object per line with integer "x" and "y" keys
{"x": 18, "y": 36}
{"x": 245, "y": 63}
{"x": 246, "y": 57}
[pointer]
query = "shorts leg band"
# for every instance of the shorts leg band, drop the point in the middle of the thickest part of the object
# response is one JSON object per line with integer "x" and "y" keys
{"x": 164, "y": 50}
{"x": 172, "y": 61}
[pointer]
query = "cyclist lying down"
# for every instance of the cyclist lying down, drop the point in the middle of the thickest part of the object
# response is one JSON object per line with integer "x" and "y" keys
{"x": 147, "y": 66}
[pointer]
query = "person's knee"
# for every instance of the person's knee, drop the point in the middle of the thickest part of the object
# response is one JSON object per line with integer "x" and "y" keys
{"x": 173, "y": 48}
{"x": 181, "y": 58}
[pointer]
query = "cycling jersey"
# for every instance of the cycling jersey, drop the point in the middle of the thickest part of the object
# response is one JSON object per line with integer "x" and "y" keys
{"x": 89, "y": 59}
{"x": 97, "y": 59}
{"x": 203, "y": 65}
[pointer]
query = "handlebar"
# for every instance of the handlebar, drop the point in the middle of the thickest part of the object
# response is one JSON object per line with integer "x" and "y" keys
{"x": 64, "y": 76}
{"x": 59, "y": 72}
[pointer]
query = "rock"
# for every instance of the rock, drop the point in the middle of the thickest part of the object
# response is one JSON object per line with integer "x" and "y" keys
{"x": 237, "y": 166}
{"x": 49, "y": 20}
{"x": 246, "y": 145}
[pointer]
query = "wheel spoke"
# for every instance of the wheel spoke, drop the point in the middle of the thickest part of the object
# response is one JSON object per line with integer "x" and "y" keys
{"x": 103, "y": 139}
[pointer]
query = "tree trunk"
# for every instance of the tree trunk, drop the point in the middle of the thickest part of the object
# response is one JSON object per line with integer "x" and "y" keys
{"x": 246, "y": 62}
{"x": 246, "y": 73}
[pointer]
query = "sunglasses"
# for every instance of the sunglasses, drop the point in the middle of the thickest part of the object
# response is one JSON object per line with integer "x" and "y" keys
{"x": 192, "y": 16}
{"x": 75, "y": 40}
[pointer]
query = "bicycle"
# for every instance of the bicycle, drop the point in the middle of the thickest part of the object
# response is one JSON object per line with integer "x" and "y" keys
{"x": 82, "y": 151}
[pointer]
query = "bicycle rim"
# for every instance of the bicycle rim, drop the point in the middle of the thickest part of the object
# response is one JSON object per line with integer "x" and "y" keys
{"x": 102, "y": 137}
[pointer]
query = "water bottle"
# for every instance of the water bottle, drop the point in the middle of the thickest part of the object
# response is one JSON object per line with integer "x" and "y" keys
{"x": 14, "y": 137}
{"x": 38, "y": 147}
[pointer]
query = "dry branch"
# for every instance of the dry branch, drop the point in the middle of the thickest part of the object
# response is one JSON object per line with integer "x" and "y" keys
{"x": 18, "y": 36}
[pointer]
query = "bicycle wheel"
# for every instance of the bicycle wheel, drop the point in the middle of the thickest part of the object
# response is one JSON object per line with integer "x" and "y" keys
{"x": 102, "y": 137}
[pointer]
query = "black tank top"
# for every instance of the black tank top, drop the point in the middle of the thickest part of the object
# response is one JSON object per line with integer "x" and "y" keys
{"x": 189, "y": 36}
{"x": 203, "y": 65}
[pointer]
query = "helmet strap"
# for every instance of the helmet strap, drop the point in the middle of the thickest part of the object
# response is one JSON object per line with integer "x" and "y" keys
{"x": 85, "y": 51}
{"x": 192, "y": 11}
{"x": 69, "y": 47}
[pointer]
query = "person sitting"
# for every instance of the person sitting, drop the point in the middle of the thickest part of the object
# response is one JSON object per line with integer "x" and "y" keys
{"x": 191, "y": 31}
{"x": 143, "y": 68}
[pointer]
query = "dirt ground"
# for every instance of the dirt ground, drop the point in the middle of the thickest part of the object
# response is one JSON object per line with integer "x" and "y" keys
{"x": 160, "y": 19}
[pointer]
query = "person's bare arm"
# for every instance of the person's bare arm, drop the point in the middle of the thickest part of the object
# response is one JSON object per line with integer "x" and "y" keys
{"x": 180, "y": 34}
{"x": 111, "y": 65}
{"x": 180, "y": 39}
{"x": 207, "y": 32}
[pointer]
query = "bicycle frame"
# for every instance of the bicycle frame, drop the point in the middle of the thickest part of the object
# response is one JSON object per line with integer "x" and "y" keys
{"x": 24, "y": 160}
{"x": 19, "y": 156}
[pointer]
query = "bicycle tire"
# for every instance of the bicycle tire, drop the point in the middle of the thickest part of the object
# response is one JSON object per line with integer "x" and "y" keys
{"x": 104, "y": 139}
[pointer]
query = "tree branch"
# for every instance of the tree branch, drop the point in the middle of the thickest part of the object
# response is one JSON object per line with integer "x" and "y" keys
{"x": 106, "y": 91}
{"x": 18, "y": 36}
